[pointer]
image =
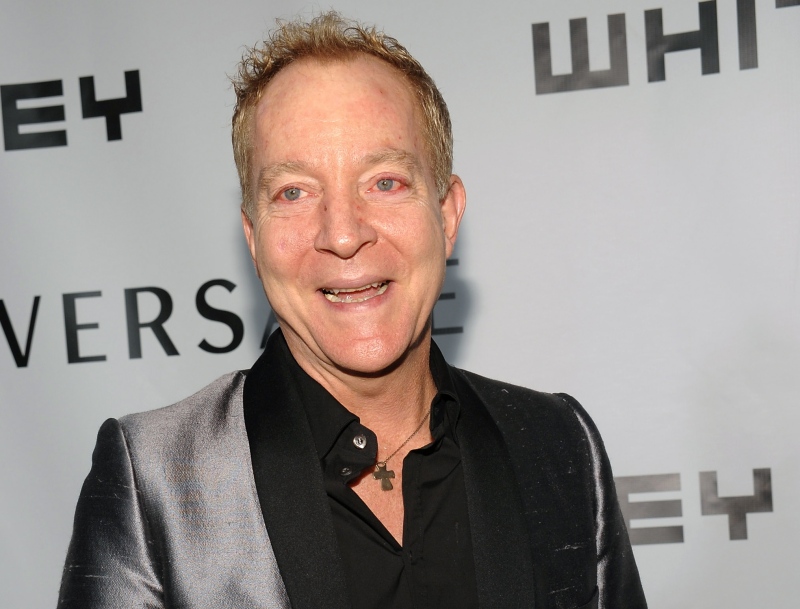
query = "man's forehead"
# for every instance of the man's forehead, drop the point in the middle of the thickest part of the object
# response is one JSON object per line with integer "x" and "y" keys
{"x": 348, "y": 74}
{"x": 361, "y": 110}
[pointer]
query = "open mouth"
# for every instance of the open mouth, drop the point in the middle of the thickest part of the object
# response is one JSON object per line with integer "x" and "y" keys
{"x": 354, "y": 295}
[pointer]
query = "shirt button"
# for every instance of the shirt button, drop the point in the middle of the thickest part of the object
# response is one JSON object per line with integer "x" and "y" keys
{"x": 346, "y": 471}
{"x": 360, "y": 440}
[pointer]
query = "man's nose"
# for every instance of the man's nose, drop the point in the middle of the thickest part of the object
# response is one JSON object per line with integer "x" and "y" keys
{"x": 344, "y": 226}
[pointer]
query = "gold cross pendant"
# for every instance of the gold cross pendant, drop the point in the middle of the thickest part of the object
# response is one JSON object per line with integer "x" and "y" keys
{"x": 384, "y": 476}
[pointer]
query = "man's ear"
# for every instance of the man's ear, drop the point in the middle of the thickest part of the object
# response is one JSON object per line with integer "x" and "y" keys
{"x": 453, "y": 206}
{"x": 250, "y": 237}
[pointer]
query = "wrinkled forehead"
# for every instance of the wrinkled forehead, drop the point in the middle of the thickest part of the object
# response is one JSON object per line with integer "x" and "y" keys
{"x": 335, "y": 89}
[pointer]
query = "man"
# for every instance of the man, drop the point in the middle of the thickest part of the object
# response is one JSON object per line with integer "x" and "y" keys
{"x": 351, "y": 466}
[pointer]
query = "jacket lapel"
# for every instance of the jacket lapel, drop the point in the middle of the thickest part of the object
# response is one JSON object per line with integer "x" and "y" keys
{"x": 500, "y": 537}
{"x": 289, "y": 484}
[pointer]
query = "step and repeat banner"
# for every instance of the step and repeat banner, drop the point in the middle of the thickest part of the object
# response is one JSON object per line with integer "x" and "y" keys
{"x": 632, "y": 238}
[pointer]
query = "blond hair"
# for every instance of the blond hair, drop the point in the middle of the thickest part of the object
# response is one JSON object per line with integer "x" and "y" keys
{"x": 330, "y": 37}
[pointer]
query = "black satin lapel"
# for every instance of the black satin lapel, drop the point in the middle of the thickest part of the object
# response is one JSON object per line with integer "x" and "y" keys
{"x": 500, "y": 538}
{"x": 289, "y": 483}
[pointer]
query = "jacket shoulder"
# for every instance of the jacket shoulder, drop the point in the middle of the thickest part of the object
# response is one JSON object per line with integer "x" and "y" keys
{"x": 558, "y": 414}
{"x": 169, "y": 516}
{"x": 212, "y": 406}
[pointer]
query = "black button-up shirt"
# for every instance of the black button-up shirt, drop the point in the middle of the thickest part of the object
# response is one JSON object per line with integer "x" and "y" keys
{"x": 433, "y": 568}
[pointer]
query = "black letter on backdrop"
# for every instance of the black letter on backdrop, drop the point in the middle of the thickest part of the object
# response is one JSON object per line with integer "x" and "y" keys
{"x": 71, "y": 327}
{"x": 581, "y": 77}
{"x": 20, "y": 357}
{"x": 736, "y": 508}
{"x": 13, "y": 117}
{"x": 704, "y": 39}
{"x": 112, "y": 108}
{"x": 748, "y": 38}
{"x": 157, "y": 325}
{"x": 786, "y": 3}
{"x": 226, "y": 317}
{"x": 447, "y": 330}
{"x": 446, "y": 296}
{"x": 650, "y": 509}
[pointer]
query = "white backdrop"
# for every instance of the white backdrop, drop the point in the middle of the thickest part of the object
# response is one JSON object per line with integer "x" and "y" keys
{"x": 637, "y": 246}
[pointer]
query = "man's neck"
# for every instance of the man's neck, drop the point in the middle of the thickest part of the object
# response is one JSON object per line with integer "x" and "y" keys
{"x": 390, "y": 403}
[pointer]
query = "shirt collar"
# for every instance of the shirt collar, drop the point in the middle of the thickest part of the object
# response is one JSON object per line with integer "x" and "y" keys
{"x": 445, "y": 407}
{"x": 328, "y": 419}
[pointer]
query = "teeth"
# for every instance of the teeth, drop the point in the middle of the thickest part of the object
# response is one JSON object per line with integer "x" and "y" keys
{"x": 339, "y": 290}
{"x": 349, "y": 294}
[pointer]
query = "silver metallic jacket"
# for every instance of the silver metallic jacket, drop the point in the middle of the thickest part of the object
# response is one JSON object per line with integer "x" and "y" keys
{"x": 179, "y": 512}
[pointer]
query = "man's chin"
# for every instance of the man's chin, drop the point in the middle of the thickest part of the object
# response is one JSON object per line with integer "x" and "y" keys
{"x": 367, "y": 357}
{"x": 359, "y": 350}
{"x": 370, "y": 358}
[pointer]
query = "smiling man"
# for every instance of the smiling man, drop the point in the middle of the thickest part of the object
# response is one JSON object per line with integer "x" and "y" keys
{"x": 351, "y": 466}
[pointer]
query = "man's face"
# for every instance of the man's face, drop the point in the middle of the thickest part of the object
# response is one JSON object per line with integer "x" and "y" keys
{"x": 348, "y": 236}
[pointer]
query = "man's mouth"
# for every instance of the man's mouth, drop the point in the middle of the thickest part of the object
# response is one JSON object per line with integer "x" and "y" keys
{"x": 354, "y": 295}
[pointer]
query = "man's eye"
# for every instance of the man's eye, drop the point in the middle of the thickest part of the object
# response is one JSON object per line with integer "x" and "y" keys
{"x": 386, "y": 184}
{"x": 292, "y": 194}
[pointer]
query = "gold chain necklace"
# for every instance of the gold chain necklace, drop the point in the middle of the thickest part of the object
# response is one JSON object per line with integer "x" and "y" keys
{"x": 384, "y": 475}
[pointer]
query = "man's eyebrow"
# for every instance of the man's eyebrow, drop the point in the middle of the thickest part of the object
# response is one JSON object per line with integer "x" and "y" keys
{"x": 407, "y": 160}
{"x": 268, "y": 173}
{"x": 392, "y": 155}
